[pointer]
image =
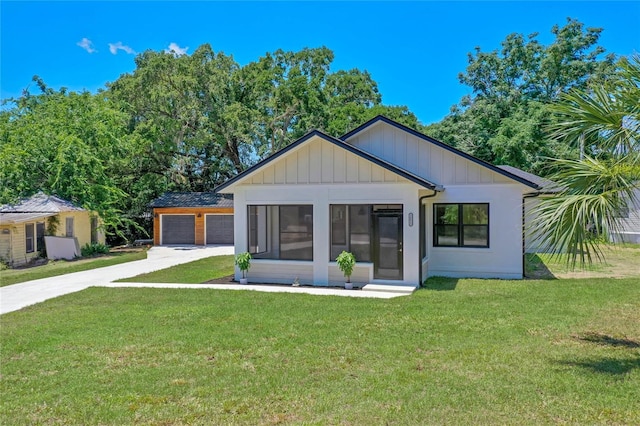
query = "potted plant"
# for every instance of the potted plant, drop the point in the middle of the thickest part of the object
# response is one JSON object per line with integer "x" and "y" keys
{"x": 243, "y": 261}
{"x": 346, "y": 262}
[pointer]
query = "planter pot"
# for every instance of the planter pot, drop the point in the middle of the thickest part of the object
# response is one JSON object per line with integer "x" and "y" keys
{"x": 243, "y": 280}
{"x": 348, "y": 286}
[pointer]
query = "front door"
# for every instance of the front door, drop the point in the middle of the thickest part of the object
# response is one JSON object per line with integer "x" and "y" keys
{"x": 387, "y": 243}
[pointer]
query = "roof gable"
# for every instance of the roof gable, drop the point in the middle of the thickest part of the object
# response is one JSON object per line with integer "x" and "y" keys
{"x": 315, "y": 136}
{"x": 480, "y": 172}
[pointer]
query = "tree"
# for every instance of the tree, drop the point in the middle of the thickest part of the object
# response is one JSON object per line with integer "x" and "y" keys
{"x": 206, "y": 118}
{"x": 595, "y": 189}
{"x": 74, "y": 145}
{"x": 502, "y": 120}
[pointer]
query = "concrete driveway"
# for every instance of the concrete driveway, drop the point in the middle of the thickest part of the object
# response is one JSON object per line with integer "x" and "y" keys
{"x": 17, "y": 296}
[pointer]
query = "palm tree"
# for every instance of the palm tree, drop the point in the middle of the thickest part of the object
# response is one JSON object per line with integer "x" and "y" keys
{"x": 605, "y": 122}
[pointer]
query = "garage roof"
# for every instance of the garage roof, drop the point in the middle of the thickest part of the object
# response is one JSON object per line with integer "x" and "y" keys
{"x": 192, "y": 199}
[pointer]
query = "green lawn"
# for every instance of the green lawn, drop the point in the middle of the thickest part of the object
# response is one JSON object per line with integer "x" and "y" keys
{"x": 195, "y": 272}
{"x": 457, "y": 352}
{"x": 61, "y": 267}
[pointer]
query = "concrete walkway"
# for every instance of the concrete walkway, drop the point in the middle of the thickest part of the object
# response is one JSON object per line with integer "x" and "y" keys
{"x": 18, "y": 296}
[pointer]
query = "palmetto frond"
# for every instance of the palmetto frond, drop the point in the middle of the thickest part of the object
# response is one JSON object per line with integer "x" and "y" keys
{"x": 597, "y": 188}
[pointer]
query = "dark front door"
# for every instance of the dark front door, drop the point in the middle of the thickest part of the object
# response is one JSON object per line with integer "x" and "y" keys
{"x": 387, "y": 244}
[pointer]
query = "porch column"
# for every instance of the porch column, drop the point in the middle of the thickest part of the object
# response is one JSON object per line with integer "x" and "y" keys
{"x": 321, "y": 235}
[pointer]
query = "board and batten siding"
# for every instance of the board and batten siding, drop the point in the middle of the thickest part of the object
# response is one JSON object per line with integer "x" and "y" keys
{"x": 422, "y": 157}
{"x": 321, "y": 162}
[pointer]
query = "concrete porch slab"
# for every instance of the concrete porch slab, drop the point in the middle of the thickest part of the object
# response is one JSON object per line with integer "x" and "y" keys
{"x": 402, "y": 289}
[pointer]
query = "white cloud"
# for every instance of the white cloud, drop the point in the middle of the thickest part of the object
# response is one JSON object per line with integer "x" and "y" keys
{"x": 114, "y": 47}
{"x": 87, "y": 45}
{"x": 176, "y": 50}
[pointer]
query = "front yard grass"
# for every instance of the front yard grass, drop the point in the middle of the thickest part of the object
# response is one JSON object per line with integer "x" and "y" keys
{"x": 61, "y": 267}
{"x": 457, "y": 352}
{"x": 196, "y": 272}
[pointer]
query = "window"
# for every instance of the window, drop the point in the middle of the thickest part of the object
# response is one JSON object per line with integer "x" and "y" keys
{"x": 461, "y": 225}
{"x": 351, "y": 230}
{"x": 94, "y": 229}
{"x": 281, "y": 232}
{"x": 40, "y": 237}
{"x": 29, "y": 233}
{"x": 69, "y": 227}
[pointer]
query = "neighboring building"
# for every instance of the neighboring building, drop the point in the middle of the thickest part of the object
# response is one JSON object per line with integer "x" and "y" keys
{"x": 24, "y": 225}
{"x": 407, "y": 205}
{"x": 629, "y": 222}
{"x": 200, "y": 218}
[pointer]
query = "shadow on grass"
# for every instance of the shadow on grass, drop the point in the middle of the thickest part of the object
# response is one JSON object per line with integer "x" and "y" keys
{"x": 603, "y": 339}
{"x": 613, "y": 366}
{"x": 440, "y": 284}
{"x": 536, "y": 269}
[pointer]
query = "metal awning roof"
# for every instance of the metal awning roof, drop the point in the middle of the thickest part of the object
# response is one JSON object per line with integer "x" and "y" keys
{"x": 11, "y": 218}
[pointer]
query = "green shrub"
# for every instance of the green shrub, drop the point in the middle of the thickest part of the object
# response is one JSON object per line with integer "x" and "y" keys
{"x": 93, "y": 249}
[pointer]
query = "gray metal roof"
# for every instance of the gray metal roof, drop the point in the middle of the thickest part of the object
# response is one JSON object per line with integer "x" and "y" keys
{"x": 9, "y": 218}
{"x": 192, "y": 199}
{"x": 546, "y": 185}
{"x": 40, "y": 203}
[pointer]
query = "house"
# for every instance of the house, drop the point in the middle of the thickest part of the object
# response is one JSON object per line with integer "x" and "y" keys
{"x": 628, "y": 222}
{"x": 408, "y": 206}
{"x": 198, "y": 218}
{"x": 23, "y": 227}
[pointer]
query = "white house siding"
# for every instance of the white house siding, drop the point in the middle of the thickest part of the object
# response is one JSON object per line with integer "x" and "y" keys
{"x": 503, "y": 258}
{"x": 321, "y": 196}
{"x": 423, "y": 158}
{"x": 279, "y": 271}
{"x": 362, "y": 273}
{"x": 534, "y": 240}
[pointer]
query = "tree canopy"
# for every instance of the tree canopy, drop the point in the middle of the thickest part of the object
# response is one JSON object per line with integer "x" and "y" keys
{"x": 72, "y": 144}
{"x": 503, "y": 121}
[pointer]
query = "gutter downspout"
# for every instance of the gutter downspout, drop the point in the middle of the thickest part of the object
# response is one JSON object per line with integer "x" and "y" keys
{"x": 422, "y": 236}
{"x": 524, "y": 252}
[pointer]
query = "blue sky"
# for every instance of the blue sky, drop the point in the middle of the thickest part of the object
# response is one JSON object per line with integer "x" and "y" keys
{"x": 414, "y": 50}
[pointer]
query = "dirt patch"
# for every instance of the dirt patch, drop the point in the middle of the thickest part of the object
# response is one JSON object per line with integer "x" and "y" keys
{"x": 224, "y": 280}
{"x": 618, "y": 262}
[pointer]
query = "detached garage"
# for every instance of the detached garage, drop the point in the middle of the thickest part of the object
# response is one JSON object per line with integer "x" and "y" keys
{"x": 192, "y": 218}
